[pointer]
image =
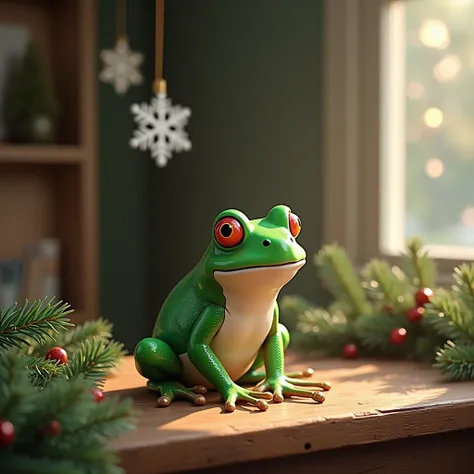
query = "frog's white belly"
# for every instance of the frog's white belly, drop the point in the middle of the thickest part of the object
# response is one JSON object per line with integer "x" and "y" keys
{"x": 251, "y": 296}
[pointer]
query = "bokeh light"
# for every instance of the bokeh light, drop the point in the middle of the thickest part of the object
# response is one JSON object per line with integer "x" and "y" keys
{"x": 434, "y": 168}
{"x": 467, "y": 217}
{"x": 434, "y": 34}
{"x": 415, "y": 90}
{"x": 433, "y": 117}
{"x": 448, "y": 68}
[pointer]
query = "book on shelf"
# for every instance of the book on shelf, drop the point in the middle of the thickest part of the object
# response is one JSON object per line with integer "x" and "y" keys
{"x": 42, "y": 270}
{"x": 35, "y": 276}
{"x": 10, "y": 281}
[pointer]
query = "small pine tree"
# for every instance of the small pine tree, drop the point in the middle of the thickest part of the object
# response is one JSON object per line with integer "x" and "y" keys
{"x": 30, "y": 107}
{"x": 54, "y": 417}
{"x": 390, "y": 311}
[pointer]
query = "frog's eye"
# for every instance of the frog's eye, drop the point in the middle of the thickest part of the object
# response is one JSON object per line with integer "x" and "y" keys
{"x": 228, "y": 232}
{"x": 295, "y": 224}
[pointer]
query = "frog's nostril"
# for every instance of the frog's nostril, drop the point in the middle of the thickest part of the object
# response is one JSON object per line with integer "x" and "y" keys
{"x": 266, "y": 243}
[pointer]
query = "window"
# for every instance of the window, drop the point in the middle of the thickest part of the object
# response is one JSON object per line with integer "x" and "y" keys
{"x": 399, "y": 141}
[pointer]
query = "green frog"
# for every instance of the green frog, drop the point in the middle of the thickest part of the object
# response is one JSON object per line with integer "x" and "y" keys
{"x": 219, "y": 327}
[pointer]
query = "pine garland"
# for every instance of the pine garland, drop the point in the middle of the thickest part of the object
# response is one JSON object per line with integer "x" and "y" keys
{"x": 61, "y": 421}
{"x": 388, "y": 311}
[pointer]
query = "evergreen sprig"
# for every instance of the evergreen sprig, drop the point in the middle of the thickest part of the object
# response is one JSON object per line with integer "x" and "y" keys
{"x": 367, "y": 309}
{"x": 419, "y": 267}
{"x": 316, "y": 322}
{"x": 456, "y": 361}
{"x": 73, "y": 339}
{"x": 94, "y": 360}
{"x": 340, "y": 278}
{"x": 36, "y": 321}
{"x": 386, "y": 285}
{"x": 34, "y": 392}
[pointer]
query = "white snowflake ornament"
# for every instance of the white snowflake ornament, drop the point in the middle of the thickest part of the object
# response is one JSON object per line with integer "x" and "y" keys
{"x": 121, "y": 67}
{"x": 160, "y": 128}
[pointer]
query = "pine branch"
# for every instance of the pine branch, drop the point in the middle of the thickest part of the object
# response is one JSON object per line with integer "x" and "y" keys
{"x": 42, "y": 371}
{"x": 425, "y": 348}
{"x": 449, "y": 318}
{"x": 456, "y": 360}
{"x": 72, "y": 340}
{"x": 64, "y": 400}
{"x": 418, "y": 265}
{"x": 464, "y": 287}
{"x": 94, "y": 360}
{"x": 386, "y": 284}
{"x": 16, "y": 463}
{"x": 373, "y": 330}
{"x": 35, "y": 321}
{"x": 66, "y": 459}
{"x": 329, "y": 331}
{"x": 14, "y": 386}
{"x": 105, "y": 420}
{"x": 86, "y": 426}
{"x": 341, "y": 279}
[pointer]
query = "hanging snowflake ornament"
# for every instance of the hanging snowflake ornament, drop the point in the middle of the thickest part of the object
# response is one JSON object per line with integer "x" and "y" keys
{"x": 160, "y": 127}
{"x": 121, "y": 66}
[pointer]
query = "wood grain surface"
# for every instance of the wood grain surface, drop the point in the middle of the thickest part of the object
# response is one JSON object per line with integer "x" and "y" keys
{"x": 369, "y": 403}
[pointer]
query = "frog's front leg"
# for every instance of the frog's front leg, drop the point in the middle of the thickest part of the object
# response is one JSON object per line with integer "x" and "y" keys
{"x": 255, "y": 375}
{"x": 275, "y": 380}
{"x": 209, "y": 365}
{"x": 156, "y": 361}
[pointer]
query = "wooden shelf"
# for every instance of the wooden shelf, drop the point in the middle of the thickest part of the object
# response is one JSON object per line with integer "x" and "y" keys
{"x": 50, "y": 191}
{"x": 370, "y": 403}
{"x": 39, "y": 154}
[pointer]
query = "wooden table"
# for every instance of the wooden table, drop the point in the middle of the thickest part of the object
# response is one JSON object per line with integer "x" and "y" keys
{"x": 379, "y": 417}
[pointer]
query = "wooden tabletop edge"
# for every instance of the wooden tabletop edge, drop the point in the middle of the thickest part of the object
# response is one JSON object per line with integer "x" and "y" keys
{"x": 279, "y": 441}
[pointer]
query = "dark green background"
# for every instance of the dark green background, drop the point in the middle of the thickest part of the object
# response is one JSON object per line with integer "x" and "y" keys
{"x": 251, "y": 73}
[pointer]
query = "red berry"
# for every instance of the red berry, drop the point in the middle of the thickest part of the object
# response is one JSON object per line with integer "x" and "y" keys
{"x": 98, "y": 394}
{"x": 415, "y": 315}
{"x": 398, "y": 335}
{"x": 423, "y": 296}
{"x": 350, "y": 351}
{"x": 53, "y": 428}
{"x": 58, "y": 354}
{"x": 7, "y": 433}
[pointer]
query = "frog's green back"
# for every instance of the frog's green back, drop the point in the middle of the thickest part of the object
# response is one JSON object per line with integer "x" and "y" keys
{"x": 181, "y": 309}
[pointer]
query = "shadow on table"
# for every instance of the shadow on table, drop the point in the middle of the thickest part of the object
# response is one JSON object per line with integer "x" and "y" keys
{"x": 145, "y": 402}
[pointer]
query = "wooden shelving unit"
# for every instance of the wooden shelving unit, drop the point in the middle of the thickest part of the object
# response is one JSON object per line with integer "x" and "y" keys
{"x": 47, "y": 155}
{"x": 51, "y": 190}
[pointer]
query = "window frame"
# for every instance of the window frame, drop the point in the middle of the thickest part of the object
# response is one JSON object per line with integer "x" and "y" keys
{"x": 352, "y": 87}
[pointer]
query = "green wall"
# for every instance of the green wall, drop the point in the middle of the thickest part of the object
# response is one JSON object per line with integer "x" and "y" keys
{"x": 251, "y": 73}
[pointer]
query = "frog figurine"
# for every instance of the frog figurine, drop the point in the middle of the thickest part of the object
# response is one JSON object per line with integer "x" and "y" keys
{"x": 220, "y": 324}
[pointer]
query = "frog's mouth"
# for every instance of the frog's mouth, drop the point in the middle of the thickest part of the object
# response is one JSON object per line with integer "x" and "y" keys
{"x": 258, "y": 279}
{"x": 298, "y": 264}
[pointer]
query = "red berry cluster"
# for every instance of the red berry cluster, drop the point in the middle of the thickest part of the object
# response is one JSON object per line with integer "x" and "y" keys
{"x": 422, "y": 298}
{"x": 414, "y": 315}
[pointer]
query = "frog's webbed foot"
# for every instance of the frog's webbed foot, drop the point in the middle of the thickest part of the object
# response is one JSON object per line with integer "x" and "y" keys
{"x": 170, "y": 391}
{"x": 285, "y": 386}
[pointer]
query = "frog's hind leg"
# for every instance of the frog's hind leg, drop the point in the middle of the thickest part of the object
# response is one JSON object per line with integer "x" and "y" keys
{"x": 156, "y": 361}
{"x": 254, "y": 375}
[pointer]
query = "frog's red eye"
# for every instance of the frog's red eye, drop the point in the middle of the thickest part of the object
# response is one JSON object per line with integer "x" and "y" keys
{"x": 295, "y": 224}
{"x": 228, "y": 232}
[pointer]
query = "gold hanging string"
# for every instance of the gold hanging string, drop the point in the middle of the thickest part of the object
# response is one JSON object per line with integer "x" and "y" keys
{"x": 159, "y": 85}
{"x": 121, "y": 20}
